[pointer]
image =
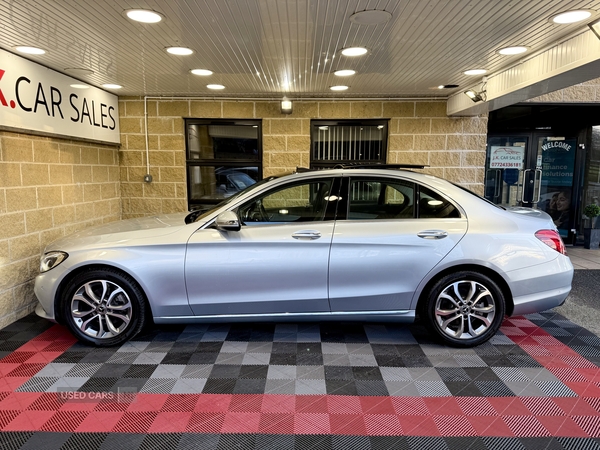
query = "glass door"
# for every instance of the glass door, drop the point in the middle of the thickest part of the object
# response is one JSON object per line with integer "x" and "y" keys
{"x": 556, "y": 158}
{"x": 538, "y": 175}
{"x": 508, "y": 171}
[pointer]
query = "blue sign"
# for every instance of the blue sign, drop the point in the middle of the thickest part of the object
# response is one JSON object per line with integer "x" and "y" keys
{"x": 510, "y": 176}
{"x": 558, "y": 162}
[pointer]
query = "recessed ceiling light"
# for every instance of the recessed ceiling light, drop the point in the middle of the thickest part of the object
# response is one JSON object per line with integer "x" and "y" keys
{"x": 446, "y": 86}
{"x": 143, "y": 15}
{"x": 571, "y": 16}
{"x": 215, "y": 86}
{"x": 338, "y": 88}
{"x": 79, "y": 86}
{"x": 354, "y": 51}
{"x": 181, "y": 51}
{"x": 112, "y": 86}
{"x": 344, "y": 72}
{"x": 475, "y": 72}
{"x": 201, "y": 72}
{"x": 78, "y": 71}
{"x": 512, "y": 50}
{"x": 30, "y": 50}
{"x": 323, "y": 127}
{"x": 371, "y": 17}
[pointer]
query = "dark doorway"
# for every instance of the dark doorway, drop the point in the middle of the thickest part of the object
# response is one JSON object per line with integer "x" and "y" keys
{"x": 538, "y": 156}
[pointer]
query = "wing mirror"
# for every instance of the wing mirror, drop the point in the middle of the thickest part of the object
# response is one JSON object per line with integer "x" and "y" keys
{"x": 228, "y": 221}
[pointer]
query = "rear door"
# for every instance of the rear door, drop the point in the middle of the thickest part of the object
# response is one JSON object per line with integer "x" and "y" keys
{"x": 389, "y": 234}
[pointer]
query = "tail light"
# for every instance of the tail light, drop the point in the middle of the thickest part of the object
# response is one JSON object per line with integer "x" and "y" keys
{"x": 552, "y": 239}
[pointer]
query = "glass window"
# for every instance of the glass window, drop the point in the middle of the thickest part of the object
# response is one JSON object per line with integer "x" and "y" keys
{"x": 210, "y": 183}
{"x": 433, "y": 205}
{"x": 222, "y": 159}
{"x": 380, "y": 199}
{"x": 293, "y": 203}
{"x": 347, "y": 142}
{"x": 377, "y": 198}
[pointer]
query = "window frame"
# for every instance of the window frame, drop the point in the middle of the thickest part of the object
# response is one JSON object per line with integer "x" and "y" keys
{"x": 329, "y": 164}
{"x": 228, "y": 163}
{"x": 329, "y": 213}
{"x": 343, "y": 209}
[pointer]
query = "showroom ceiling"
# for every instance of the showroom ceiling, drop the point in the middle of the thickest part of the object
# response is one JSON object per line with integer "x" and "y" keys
{"x": 271, "y": 48}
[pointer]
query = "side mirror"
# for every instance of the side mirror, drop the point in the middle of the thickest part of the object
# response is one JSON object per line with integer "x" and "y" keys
{"x": 228, "y": 221}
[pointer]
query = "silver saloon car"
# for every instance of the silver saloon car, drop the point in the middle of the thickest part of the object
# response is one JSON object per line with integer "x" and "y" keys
{"x": 362, "y": 244}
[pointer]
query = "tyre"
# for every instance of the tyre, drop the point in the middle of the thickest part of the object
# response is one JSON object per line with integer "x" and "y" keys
{"x": 103, "y": 307}
{"x": 464, "y": 309}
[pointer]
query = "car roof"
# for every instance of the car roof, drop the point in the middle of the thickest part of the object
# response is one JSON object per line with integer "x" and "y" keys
{"x": 373, "y": 169}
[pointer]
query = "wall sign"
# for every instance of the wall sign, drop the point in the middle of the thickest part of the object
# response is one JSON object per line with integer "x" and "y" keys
{"x": 558, "y": 162}
{"x": 507, "y": 157}
{"x": 33, "y": 97}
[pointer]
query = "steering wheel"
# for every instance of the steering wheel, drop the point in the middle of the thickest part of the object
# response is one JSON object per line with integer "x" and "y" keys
{"x": 257, "y": 213}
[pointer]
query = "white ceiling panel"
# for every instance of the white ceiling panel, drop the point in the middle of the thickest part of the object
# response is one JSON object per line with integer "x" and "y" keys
{"x": 270, "y": 48}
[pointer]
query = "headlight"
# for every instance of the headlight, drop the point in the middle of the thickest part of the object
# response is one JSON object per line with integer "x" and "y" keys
{"x": 51, "y": 260}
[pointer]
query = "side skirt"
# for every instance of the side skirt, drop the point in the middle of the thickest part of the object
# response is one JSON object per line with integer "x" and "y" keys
{"x": 405, "y": 316}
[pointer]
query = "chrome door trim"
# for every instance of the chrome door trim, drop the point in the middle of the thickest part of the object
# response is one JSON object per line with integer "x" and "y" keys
{"x": 405, "y": 314}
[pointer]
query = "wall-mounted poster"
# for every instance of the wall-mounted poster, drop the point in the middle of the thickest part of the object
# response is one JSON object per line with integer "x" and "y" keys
{"x": 558, "y": 162}
{"x": 507, "y": 157}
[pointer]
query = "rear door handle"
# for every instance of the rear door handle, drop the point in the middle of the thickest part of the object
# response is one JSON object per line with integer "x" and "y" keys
{"x": 307, "y": 235}
{"x": 432, "y": 234}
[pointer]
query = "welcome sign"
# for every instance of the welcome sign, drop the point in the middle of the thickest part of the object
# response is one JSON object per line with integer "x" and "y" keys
{"x": 33, "y": 97}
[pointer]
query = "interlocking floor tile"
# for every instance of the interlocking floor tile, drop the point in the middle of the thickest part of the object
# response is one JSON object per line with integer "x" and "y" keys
{"x": 536, "y": 384}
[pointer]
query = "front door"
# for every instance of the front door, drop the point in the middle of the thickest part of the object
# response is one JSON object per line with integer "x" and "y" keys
{"x": 535, "y": 171}
{"x": 276, "y": 263}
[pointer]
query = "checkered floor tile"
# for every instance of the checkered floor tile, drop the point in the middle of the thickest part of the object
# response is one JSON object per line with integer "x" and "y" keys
{"x": 536, "y": 384}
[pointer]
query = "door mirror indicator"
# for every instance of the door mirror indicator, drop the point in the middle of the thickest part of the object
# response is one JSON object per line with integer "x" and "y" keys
{"x": 228, "y": 221}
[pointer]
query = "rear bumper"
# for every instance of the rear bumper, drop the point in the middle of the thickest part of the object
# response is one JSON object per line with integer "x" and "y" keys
{"x": 541, "y": 287}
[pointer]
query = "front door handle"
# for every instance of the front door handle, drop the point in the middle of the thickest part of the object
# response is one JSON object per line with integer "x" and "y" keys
{"x": 308, "y": 235}
{"x": 432, "y": 234}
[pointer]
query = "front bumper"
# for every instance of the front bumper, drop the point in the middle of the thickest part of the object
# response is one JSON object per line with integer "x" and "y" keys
{"x": 45, "y": 291}
{"x": 41, "y": 312}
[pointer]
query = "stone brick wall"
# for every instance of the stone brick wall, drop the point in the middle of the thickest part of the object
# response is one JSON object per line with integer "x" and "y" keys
{"x": 588, "y": 92}
{"x": 48, "y": 188}
{"x": 419, "y": 133}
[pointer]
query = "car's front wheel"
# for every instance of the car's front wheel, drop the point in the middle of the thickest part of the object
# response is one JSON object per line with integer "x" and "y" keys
{"x": 103, "y": 307}
{"x": 464, "y": 308}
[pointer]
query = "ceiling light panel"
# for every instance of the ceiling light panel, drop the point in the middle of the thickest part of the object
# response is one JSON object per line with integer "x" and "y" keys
{"x": 571, "y": 16}
{"x": 517, "y": 50}
{"x": 422, "y": 45}
{"x": 30, "y": 50}
{"x": 472, "y": 72}
{"x": 143, "y": 15}
{"x": 179, "y": 51}
{"x": 201, "y": 72}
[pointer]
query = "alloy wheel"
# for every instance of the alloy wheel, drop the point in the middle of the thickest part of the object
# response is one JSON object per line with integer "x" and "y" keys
{"x": 101, "y": 309}
{"x": 465, "y": 309}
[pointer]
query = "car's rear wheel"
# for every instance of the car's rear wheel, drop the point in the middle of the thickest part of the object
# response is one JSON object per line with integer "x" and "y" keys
{"x": 103, "y": 307}
{"x": 464, "y": 308}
